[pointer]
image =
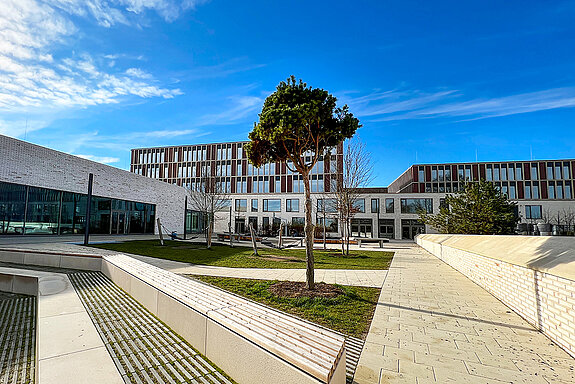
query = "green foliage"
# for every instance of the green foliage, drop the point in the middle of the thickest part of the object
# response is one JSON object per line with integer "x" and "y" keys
{"x": 349, "y": 313}
{"x": 480, "y": 209}
{"x": 243, "y": 257}
{"x": 295, "y": 119}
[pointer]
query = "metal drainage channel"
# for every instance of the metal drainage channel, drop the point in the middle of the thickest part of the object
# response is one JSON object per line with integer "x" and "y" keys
{"x": 17, "y": 338}
{"x": 142, "y": 347}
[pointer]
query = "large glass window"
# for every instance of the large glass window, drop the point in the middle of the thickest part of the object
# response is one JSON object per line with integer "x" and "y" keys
{"x": 272, "y": 205}
{"x": 389, "y": 206}
{"x": 292, "y": 205}
{"x": 533, "y": 211}
{"x": 421, "y": 174}
{"x": 534, "y": 172}
{"x": 330, "y": 205}
{"x": 416, "y": 205}
{"x": 241, "y": 205}
{"x": 12, "y": 206}
{"x": 254, "y": 205}
{"x": 566, "y": 173}
{"x": 330, "y": 223}
{"x": 359, "y": 205}
{"x": 374, "y": 205}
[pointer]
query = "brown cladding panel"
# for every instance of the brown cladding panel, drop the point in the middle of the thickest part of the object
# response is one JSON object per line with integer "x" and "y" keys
{"x": 454, "y": 176}
{"x": 475, "y": 175}
{"x": 415, "y": 188}
{"x": 234, "y": 150}
{"x": 482, "y": 171}
{"x": 421, "y": 188}
{"x": 234, "y": 168}
{"x": 526, "y": 172}
{"x": 278, "y": 168}
{"x": 573, "y": 169}
{"x": 327, "y": 183}
{"x": 284, "y": 184}
{"x": 544, "y": 190}
{"x": 520, "y": 194}
{"x": 289, "y": 184}
{"x": 542, "y": 171}
{"x": 244, "y": 167}
{"x": 233, "y": 185}
{"x": 427, "y": 173}
{"x": 249, "y": 189}
{"x": 414, "y": 173}
{"x": 284, "y": 168}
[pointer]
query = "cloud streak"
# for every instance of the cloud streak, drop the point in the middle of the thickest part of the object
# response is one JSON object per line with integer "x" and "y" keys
{"x": 451, "y": 104}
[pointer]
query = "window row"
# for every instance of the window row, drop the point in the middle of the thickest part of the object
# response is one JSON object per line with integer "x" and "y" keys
{"x": 33, "y": 210}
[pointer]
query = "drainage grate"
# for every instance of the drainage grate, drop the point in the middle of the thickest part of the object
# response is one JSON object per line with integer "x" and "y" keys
{"x": 17, "y": 338}
{"x": 142, "y": 347}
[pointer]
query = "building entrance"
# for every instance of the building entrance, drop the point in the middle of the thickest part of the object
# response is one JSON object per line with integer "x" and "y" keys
{"x": 118, "y": 223}
{"x": 361, "y": 227}
{"x": 411, "y": 228}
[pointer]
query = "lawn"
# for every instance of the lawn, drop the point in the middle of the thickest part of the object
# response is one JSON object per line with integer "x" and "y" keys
{"x": 350, "y": 313}
{"x": 243, "y": 257}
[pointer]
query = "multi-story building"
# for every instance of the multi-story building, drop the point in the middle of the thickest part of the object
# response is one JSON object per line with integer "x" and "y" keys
{"x": 187, "y": 166}
{"x": 272, "y": 194}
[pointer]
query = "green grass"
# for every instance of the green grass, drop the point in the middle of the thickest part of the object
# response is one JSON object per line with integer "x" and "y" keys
{"x": 243, "y": 257}
{"x": 350, "y": 313}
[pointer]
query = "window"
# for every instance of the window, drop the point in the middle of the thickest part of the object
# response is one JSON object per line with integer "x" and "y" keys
{"x": 551, "y": 190}
{"x": 272, "y": 205}
{"x": 225, "y": 204}
{"x": 460, "y": 173}
{"x": 447, "y": 174}
{"x": 278, "y": 185}
{"x": 503, "y": 172}
{"x": 389, "y": 206}
{"x": 254, "y": 205}
{"x": 468, "y": 172}
{"x": 416, "y": 205}
{"x": 559, "y": 190}
{"x": 330, "y": 205}
{"x": 496, "y": 173}
{"x": 535, "y": 190}
{"x": 549, "y": 171}
{"x": 330, "y": 224}
{"x": 527, "y": 190}
{"x": 533, "y": 211}
{"x": 359, "y": 205}
{"x": 567, "y": 190}
{"x": 374, "y": 205}
{"x": 489, "y": 175}
{"x": 421, "y": 174}
{"x": 518, "y": 174}
{"x": 241, "y": 205}
{"x": 566, "y": 173}
{"x": 434, "y": 173}
{"x": 533, "y": 171}
{"x": 557, "y": 171}
{"x": 512, "y": 192}
{"x": 292, "y": 205}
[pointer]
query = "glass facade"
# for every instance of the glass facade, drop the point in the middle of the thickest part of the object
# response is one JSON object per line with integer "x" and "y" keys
{"x": 416, "y": 205}
{"x": 32, "y": 210}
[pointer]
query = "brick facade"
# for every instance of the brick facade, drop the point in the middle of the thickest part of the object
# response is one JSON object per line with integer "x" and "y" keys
{"x": 543, "y": 299}
{"x": 33, "y": 165}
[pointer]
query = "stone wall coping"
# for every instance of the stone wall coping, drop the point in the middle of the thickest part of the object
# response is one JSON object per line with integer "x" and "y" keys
{"x": 554, "y": 255}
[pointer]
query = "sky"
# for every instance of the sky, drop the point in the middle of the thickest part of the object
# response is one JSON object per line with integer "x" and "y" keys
{"x": 430, "y": 81}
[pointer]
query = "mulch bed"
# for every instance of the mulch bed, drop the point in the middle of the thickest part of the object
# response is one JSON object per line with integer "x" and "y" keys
{"x": 299, "y": 289}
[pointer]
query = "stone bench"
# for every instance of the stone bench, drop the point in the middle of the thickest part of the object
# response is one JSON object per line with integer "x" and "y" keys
{"x": 250, "y": 342}
{"x": 379, "y": 240}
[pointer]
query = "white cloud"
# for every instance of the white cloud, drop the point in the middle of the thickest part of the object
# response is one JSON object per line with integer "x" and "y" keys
{"x": 242, "y": 106}
{"x": 414, "y": 104}
{"x": 20, "y": 128}
{"x": 33, "y": 81}
{"x": 100, "y": 159}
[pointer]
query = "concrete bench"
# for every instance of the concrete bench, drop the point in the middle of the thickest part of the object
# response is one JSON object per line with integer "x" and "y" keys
{"x": 250, "y": 342}
{"x": 379, "y": 240}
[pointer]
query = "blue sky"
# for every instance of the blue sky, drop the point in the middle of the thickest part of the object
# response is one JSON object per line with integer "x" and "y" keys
{"x": 440, "y": 81}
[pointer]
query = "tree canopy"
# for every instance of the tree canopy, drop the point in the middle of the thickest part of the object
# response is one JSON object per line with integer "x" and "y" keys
{"x": 300, "y": 123}
{"x": 480, "y": 208}
{"x": 297, "y": 118}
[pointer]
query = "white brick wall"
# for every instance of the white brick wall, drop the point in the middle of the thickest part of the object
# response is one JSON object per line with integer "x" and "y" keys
{"x": 544, "y": 300}
{"x": 29, "y": 164}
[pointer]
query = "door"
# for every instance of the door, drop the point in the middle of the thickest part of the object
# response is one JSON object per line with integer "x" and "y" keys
{"x": 121, "y": 223}
{"x": 114, "y": 229}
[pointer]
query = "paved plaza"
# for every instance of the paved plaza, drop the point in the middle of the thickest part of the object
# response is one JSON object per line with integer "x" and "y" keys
{"x": 432, "y": 324}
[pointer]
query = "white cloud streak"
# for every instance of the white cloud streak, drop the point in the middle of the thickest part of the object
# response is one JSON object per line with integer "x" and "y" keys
{"x": 450, "y": 104}
{"x": 100, "y": 159}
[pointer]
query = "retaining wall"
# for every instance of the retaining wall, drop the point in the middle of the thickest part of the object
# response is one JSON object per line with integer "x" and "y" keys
{"x": 533, "y": 275}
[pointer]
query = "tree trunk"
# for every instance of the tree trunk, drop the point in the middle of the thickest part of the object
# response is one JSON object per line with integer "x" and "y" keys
{"x": 210, "y": 232}
{"x": 342, "y": 223}
{"x": 324, "y": 229}
{"x": 348, "y": 233}
{"x": 308, "y": 229}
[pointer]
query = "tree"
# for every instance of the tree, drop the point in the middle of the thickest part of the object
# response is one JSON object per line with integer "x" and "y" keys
{"x": 479, "y": 208}
{"x": 300, "y": 124}
{"x": 357, "y": 173}
{"x": 209, "y": 197}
